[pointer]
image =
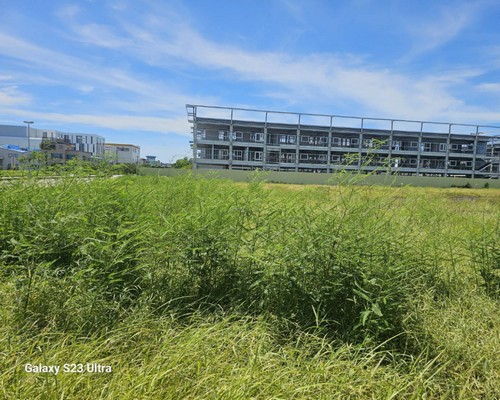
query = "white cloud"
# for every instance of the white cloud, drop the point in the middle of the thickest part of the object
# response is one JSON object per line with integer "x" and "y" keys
{"x": 294, "y": 9}
{"x": 78, "y": 73}
{"x": 118, "y": 5}
{"x": 327, "y": 79}
{"x": 68, "y": 12}
{"x": 489, "y": 87}
{"x": 86, "y": 89}
{"x": 123, "y": 122}
{"x": 447, "y": 25}
{"x": 164, "y": 40}
{"x": 177, "y": 125}
{"x": 99, "y": 35}
{"x": 317, "y": 77}
{"x": 12, "y": 96}
{"x": 330, "y": 80}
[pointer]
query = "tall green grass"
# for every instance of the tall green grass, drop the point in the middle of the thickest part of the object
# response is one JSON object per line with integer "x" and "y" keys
{"x": 203, "y": 288}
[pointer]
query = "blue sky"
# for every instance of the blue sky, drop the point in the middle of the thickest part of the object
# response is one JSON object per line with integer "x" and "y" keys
{"x": 126, "y": 68}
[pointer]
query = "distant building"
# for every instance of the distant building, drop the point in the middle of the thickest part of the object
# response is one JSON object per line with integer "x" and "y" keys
{"x": 11, "y": 156}
{"x": 59, "y": 151}
{"x": 151, "y": 160}
{"x": 56, "y": 151}
{"x": 235, "y": 138}
{"x": 120, "y": 153}
{"x": 32, "y": 139}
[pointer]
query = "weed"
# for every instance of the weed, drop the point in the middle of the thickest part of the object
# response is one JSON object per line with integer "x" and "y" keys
{"x": 200, "y": 287}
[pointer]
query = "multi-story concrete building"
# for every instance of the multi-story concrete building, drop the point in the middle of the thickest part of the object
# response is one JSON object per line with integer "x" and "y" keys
{"x": 56, "y": 151}
{"x": 31, "y": 138}
{"x": 123, "y": 153}
{"x": 59, "y": 151}
{"x": 235, "y": 138}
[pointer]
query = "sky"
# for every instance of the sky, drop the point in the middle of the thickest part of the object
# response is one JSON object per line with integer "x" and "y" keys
{"x": 126, "y": 69}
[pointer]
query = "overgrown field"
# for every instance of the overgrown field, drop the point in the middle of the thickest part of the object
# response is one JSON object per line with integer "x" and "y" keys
{"x": 207, "y": 289}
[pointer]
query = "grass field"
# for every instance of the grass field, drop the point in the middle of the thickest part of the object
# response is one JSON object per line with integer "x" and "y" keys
{"x": 196, "y": 288}
{"x": 307, "y": 178}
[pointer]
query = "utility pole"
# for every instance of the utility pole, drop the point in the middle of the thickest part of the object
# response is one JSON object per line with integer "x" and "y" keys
{"x": 28, "y": 132}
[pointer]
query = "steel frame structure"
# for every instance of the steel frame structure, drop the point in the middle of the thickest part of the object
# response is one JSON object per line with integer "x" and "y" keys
{"x": 243, "y": 138}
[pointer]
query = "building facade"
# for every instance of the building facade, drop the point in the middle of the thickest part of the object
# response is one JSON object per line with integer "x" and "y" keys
{"x": 235, "y": 138}
{"x": 32, "y": 139}
{"x": 123, "y": 153}
{"x": 58, "y": 151}
{"x": 11, "y": 156}
{"x": 54, "y": 151}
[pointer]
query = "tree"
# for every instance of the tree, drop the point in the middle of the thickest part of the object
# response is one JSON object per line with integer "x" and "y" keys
{"x": 183, "y": 163}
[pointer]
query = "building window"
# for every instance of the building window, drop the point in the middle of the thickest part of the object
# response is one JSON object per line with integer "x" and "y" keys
{"x": 237, "y": 135}
{"x": 258, "y": 156}
{"x": 442, "y": 146}
{"x": 304, "y": 139}
{"x": 368, "y": 142}
{"x": 201, "y": 134}
{"x": 258, "y": 137}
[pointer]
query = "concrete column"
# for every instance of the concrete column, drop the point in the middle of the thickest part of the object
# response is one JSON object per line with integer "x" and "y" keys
{"x": 231, "y": 141}
{"x": 329, "y": 154}
{"x": 389, "y": 155}
{"x": 264, "y": 151}
{"x": 297, "y": 147}
{"x": 474, "y": 156}
{"x": 360, "y": 147}
{"x": 195, "y": 141}
{"x": 447, "y": 156}
{"x": 419, "y": 151}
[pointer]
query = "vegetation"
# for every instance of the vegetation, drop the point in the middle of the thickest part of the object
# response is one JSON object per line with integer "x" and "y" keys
{"x": 39, "y": 165}
{"x": 185, "y": 163}
{"x": 192, "y": 287}
{"x": 308, "y": 178}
